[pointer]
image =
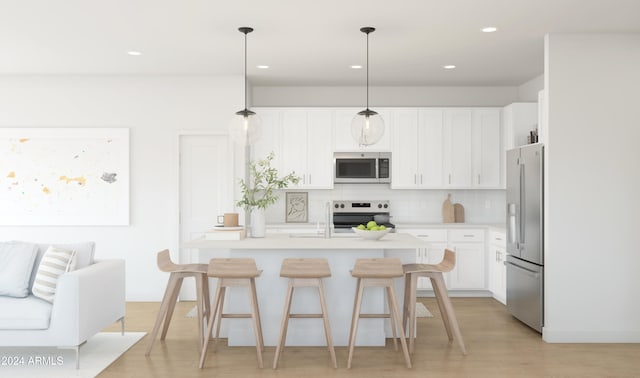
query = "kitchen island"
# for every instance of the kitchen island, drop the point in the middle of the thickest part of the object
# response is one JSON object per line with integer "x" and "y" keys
{"x": 341, "y": 251}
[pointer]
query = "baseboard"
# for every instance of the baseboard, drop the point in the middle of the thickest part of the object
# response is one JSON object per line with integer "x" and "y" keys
{"x": 560, "y": 336}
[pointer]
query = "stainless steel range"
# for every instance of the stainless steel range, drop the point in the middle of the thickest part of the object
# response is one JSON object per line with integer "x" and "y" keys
{"x": 347, "y": 214}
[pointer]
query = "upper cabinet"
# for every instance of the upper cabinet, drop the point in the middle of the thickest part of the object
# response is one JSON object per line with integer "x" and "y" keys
{"x": 417, "y": 148}
{"x": 487, "y": 148}
{"x": 343, "y": 141}
{"x": 302, "y": 140}
{"x": 457, "y": 148}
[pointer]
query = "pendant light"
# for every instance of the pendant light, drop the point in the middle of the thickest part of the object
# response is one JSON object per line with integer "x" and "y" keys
{"x": 367, "y": 127}
{"x": 245, "y": 128}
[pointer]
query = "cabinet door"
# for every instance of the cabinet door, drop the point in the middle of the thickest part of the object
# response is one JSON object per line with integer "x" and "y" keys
{"x": 269, "y": 141}
{"x": 294, "y": 145}
{"x": 486, "y": 148}
{"x": 469, "y": 272}
{"x": 431, "y": 123}
{"x": 404, "y": 159}
{"x": 457, "y": 148}
{"x": 498, "y": 272}
{"x": 319, "y": 151}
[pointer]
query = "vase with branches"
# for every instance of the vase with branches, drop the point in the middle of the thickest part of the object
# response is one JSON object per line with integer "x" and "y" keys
{"x": 261, "y": 190}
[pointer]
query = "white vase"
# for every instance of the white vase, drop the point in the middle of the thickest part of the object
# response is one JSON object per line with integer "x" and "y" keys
{"x": 258, "y": 223}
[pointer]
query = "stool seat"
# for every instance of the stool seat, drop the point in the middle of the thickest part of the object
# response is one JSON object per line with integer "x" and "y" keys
{"x": 178, "y": 272}
{"x": 233, "y": 268}
{"x": 435, "y": 273}
{"x": 377, "y": 268}
{"x": 378, "y": 272}
{"x": 305, "y": 272}
{"x": 305, "y": 268}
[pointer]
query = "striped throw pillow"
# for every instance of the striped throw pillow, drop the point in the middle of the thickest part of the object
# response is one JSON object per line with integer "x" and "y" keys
{"x": 56, "y": 261}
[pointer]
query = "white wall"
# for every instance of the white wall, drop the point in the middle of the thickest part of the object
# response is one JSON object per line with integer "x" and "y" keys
{"x": 528, "y": 92}
{"x": 592, "y": 291}
{"x": 155, "y": 109}
{"x": 384, "y": 96}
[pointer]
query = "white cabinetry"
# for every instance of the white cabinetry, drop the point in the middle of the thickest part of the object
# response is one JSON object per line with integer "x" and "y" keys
{"x": 417, "y": 149}
{"x": 301, "y": 139}
{"x": 431, "y": 254}
{"x": 497, "y": 269}
{"x": 342, "y": 130}
{"x": 487, "y": 150}
{"x": 469, "y": 246}
{"x": 457, "y": 148}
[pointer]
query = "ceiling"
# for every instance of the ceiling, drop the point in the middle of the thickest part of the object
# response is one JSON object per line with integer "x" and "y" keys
{"x": 305, "y": 42}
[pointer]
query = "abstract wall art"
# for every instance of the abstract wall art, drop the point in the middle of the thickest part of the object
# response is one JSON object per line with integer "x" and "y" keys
{"x": 64, "y": 176}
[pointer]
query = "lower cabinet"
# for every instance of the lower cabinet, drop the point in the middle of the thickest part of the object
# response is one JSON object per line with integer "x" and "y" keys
{"x": 497, "y": 268}
{"x": 469, "y": 245}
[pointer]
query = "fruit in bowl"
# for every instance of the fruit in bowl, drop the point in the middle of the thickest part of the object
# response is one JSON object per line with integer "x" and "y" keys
{"x": 371, "y": 231}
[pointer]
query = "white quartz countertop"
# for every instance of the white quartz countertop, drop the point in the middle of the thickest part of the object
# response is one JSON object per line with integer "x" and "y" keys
{"x": 286, "y": 241}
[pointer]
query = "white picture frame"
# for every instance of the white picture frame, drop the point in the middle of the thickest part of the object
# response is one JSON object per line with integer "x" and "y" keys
{"x": 297, "y": 207}
{"x": 64, "y": 176}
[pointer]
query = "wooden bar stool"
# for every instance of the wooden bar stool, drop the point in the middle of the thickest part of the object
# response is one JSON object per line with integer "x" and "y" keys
{"x": 234, "y": 272}
{"x": 178, "y": 272}
{"x": 378, "y": 272}
{"x": 435, "y": 273}
{"x": 305, "y": 273}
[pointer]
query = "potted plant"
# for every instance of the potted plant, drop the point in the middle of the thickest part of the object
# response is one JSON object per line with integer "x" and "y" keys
{"x": 261, "y": 191}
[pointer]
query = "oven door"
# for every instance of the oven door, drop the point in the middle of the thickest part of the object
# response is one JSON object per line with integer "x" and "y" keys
{"x": 356, "y": 170}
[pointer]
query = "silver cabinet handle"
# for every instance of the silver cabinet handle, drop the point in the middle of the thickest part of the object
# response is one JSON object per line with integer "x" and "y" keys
{"x": 468, "y": 236}
{"x": 478, "y": 179}
{"x": 420, "y": 178}
{"x": 449, "y": 178}
{"x": 415, "y": 178}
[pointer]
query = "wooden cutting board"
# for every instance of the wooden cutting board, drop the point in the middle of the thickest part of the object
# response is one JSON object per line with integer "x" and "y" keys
{"x": 448, "y": 214}
{"x": 458, "y": 212}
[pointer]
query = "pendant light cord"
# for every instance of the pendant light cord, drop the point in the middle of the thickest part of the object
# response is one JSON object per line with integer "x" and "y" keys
{"x": 245, "y": 71}
{"x": 367, "y": 71}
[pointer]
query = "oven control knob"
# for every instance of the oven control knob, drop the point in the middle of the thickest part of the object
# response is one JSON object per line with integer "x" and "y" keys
{"x": 336, "y": 206}
{"x": 385, "y": 205}
{"x": 379, "y": 206}
{"x": 342, "y": 205}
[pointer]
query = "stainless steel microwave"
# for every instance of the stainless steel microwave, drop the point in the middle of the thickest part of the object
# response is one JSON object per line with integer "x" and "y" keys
{"x": 362, "y": 167}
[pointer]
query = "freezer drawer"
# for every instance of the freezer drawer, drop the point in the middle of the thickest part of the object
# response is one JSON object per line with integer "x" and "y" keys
{"x": 525, "y": 292}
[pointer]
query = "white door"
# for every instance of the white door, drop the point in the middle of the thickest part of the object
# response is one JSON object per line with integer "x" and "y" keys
{"x": 206, "y": 191}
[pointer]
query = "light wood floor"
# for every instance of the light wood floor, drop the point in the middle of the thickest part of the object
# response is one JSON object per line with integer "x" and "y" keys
{"x": 497, "y": 345}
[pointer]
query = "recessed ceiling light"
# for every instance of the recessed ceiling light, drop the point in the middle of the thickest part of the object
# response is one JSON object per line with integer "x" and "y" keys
{"x": 134, "y": 53}
{"x": 262, "y": 67}
{"x": 356, "y": 67}
{"x": 489, "y": 29}
{"x": 449, "y": 67}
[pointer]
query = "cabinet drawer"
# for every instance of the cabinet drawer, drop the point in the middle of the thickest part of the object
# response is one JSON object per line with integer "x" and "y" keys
{"x": 498, "y": 238}
{"x": 467, "y": 235}
{"x": 431, "y": 235}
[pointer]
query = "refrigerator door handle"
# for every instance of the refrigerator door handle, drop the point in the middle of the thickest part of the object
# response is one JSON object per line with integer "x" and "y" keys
{"x": 526, "y": 271}
{"x": 521, "y": 215}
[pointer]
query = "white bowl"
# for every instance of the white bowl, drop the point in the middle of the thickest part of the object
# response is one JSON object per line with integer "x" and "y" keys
{"x": 370, "y": 235}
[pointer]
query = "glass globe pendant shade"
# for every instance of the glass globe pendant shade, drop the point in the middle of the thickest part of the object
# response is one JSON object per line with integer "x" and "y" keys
{"x": 245, "y": 127}
{"x": 367, "y": 127}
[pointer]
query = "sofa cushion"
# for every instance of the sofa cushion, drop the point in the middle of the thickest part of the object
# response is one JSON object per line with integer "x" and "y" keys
{"x": 84, "y": 255}
{"x": 55, "y": 262}
{"x": 16, "y": 264}
{"x": 24, "y": 313}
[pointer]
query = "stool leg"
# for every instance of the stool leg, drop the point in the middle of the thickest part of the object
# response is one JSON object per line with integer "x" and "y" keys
{"x": 200, "y": 306}
{"x": 255, "y": 298}
{"x": 212, "y": 318}
{"x": 256, "y": 321}
{"x": 449, "y": 309}
{"x": 396, "y": 311}
{"x": 172, "y": 306}
{"x": 327, "y": 327}
{"x": 443, "y": 310}
{"x": 207, "y": 300}
{"x": 354, "y": 321}
{"x": 392, "y": 321}
{"x": 413, "y": 287}
{"x": 223, "y": 292}
{"x": 162, "y": 311}
{"x": 407, "y": 295}
{"x": 285, "y": 324}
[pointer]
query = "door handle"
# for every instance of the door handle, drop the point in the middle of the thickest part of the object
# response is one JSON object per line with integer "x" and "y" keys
{"x": 521, "y": 237}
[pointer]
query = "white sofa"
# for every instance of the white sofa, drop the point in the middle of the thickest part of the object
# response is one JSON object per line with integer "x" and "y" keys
{"x": 87, "y": 300}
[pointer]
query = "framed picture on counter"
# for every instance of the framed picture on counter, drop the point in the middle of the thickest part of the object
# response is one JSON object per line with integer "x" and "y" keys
{"x": 297, "y": 207}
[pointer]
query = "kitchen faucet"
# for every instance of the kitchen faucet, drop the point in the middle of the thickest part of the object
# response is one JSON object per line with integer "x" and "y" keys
{"x": 327, "y": 227}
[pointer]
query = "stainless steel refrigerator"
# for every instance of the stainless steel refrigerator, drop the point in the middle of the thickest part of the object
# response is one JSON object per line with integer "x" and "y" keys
{"x": 525, "y": 251}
